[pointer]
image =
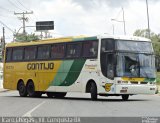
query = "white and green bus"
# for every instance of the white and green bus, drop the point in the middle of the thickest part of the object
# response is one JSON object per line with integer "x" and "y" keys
{"x": 100, "y": 65}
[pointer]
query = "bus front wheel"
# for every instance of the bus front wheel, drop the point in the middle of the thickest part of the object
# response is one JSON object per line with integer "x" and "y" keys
{"x": 125, "y": 97}
{"x": 22, "y": 89}
{"x": 93, "y": 91}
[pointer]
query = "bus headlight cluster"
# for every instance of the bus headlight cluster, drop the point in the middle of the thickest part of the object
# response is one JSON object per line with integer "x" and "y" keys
{"x": 122, "y": 82}
{"x": 152, "y": 83}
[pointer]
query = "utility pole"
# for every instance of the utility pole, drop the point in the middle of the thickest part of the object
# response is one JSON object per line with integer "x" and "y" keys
{"x": 124, "y": 26}
{"x": 113, "y": 28}
{"x": 148, "y": 19}
{"x": 3, "y": 44}
{"x": 3, "y": 38}
{"x": 24, "y": 19}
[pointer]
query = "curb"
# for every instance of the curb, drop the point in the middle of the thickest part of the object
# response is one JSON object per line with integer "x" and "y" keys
{"x": 3, "y": 90}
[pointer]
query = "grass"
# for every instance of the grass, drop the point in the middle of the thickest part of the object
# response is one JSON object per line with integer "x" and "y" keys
{"x": 158, "y": 78}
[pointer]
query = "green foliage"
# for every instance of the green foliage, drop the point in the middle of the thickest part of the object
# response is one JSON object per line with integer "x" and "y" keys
{"x": 158, "y": 78}
{"x": 24, "y": 37}
{"x": 155, "y": 38}
{"x": 141, "y": 33}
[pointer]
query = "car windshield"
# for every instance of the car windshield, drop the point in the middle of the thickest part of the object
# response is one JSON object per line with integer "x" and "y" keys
{"x": 135, "y": 65}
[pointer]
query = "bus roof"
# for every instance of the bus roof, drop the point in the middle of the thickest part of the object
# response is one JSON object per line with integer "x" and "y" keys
{"x": 53, "y": 40}
{"x": 76, "y": 38}
{"x": 124, "y": 37}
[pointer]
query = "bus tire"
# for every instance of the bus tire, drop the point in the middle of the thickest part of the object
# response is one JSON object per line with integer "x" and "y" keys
{"x": 93, "y": 91}
{"x": 31, "y": 89}
{"x": 59, "y": 94}
{"x": 125, "y": 97}
{"x": 22, "y": 89}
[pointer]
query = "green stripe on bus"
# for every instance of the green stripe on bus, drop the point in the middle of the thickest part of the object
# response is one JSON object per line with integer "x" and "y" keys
{"x": 62, "y": 72}
{"x": 85, "y": 39}
{"x": 68, "y": 72}
{"x": 149, "y": 79}
{"x": 74, "y": 72}
{"x": 78, "y": 39}
{"x": 90, "y": 38}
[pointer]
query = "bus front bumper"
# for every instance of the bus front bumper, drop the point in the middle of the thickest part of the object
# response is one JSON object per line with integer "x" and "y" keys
{"x": 135, "y": 89}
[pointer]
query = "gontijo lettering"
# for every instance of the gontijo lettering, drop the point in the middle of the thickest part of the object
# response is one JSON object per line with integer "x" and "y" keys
{"x": 40, "y": 66}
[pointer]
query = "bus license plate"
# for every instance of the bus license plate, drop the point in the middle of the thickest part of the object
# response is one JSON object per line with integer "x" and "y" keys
{"x": 123, "y": 91}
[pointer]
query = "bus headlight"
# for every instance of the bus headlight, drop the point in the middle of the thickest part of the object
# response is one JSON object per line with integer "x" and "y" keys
{"x": 152, "y": 83}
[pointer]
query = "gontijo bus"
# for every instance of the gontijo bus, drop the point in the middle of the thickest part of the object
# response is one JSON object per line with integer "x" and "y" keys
{"x": 100, "y": 65}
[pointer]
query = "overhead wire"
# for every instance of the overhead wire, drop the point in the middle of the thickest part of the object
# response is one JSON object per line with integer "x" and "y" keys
{"x": 26, "y": 8}
{"x": 6, "y": 16}
{"x": 12, "y": 3}
{"x": 30, "y": 17}
{"x": 7, "y": 10}
{"x": 6, "y": 26}
{"x": 22, "y": 5}
{"x": 18, "y": 5}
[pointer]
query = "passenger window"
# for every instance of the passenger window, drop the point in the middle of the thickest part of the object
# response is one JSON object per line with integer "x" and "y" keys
{"x": 30, "y": 53}
{"x": 8, "y": 54}
{"x": 43, "y": 52}
{"x": 107, "y": 45}
{"x": 57, "y": 51}
{"x": 90, "y": 49}
{"x": 17, "y": 53}
{"x": 73, "y": 50}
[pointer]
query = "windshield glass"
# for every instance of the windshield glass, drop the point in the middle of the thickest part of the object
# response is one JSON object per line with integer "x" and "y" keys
{"x": 136, "y": 46}
{"x": 135, "y": 65}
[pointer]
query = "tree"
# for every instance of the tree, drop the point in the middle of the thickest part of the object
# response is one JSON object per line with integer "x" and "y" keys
{"x": 26, "y": 37}
{"x": 141, "y": 33}
{"x": 155, "y": 38}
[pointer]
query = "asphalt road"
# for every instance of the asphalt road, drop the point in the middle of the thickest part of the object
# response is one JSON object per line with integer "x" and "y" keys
{"x": 77, "y": 104}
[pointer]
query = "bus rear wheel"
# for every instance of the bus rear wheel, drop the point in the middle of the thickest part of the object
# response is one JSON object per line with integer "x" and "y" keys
{"x": 31, "y": 90}
{"x": 22, "y": 89}
{"x": 93, "y": 91}
{"x": 125, "y": 97}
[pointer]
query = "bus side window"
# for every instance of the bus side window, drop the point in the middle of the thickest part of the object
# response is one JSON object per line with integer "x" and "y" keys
{"x": 73, "y": 50}
{"x": 8, "y": 54}
{"x": 30, "y": 53}
{"x": 90, "y": 49}
{"x": 17, "y": 53}
{"x": 43, "y": 52}
{"x": 107, "y": 45}
{"x": 57, "y": 51}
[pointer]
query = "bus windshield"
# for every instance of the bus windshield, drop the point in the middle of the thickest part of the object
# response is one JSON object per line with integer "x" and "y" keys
{"x": 134, "y": 46}
{"x": 135, "y": 65}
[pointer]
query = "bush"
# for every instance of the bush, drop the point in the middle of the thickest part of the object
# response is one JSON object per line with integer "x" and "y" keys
{"x": 158, "y": 78}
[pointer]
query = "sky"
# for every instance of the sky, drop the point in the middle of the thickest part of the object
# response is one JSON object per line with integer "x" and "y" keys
{"x": 80, "y": 17}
